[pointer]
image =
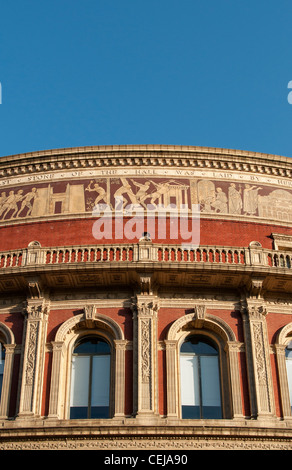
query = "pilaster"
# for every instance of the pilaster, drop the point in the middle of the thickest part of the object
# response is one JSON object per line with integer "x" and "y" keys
{"x": 258, "y": 355}
{"x": 35, "y": 327}
{"x": 6, "y": 388}
{"x": 145, "y": 356}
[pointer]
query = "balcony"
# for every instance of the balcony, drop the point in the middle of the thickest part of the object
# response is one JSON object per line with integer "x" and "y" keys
{"x": 170, "y": 265}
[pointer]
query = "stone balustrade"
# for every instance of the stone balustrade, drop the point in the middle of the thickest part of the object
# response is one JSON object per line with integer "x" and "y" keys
{"x": 143, "y": 252}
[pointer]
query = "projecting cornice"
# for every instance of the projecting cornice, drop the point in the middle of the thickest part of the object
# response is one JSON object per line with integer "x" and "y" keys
{"x": 145, "y": 155}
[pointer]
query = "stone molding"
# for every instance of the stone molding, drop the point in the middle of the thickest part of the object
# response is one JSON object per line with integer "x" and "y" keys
{"x": 145, "y": 155}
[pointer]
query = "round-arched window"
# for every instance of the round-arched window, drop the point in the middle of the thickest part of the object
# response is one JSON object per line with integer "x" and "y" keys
{"x": 200, "y": 379}
{"x": 90, "y": 379}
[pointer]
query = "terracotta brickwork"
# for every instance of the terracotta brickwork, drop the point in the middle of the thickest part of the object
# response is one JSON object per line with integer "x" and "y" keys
{"x": 63, "y": 278}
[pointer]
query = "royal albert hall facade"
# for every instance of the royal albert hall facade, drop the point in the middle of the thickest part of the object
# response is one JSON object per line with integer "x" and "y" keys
{"x": 141, "y": 339}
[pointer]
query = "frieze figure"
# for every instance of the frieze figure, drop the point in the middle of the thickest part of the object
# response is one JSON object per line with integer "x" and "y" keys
{"x": 234, "y": 199}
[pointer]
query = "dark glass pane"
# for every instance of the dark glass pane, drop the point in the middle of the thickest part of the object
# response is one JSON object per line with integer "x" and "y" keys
{"x": 92, "y": 346}
{"x": 288, "y": 353}
{"x": 212, "y": 412}
{"x": 1, "y": 380}
{"x": 100, "y": 412}
{"x": 78, "y": 412}
{"x": 198, "y": 345}
{"x": 190, "y": 412}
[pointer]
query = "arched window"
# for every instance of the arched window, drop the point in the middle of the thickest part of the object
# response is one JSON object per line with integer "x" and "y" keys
{"x": 200, "y": 379}
{"x": 90, "y": 379}
{"x": 288, "y": 354}
{"x": 2, "y": 361}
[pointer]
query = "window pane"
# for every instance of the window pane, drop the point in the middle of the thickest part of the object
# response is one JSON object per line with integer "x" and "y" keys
{"x": 80, "y": 381}
{"x": 210, "y": 381}
{"x": 196, "y": 346}
{"x": 190, "y": 389}
{"x": 289, "y": 374}
{"x": 92, "y": 346}
{"x": 100, "y": 381}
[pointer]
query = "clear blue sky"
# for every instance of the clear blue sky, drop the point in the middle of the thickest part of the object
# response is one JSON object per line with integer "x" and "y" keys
{"x": 209, "y": 73}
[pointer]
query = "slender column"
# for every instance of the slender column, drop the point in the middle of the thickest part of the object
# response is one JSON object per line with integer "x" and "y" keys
{"x": 283, "y": 379}
{"x": 258, "y": 360}
{"x": 120, "y": 346}
{"x": 7, "y": 377}
{"x": 35, "y": 327}
{"x": 232, "y": 351}
{"x": 55, "y": 390}
{"x": 171, "y": 372}
{"x": 145, "y": 350}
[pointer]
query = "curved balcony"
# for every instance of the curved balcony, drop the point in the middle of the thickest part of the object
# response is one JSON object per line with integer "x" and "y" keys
{"x": 35, "y": 255}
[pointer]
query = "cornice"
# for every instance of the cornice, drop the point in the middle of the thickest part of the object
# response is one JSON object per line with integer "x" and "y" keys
{"x": 145, "y": 155}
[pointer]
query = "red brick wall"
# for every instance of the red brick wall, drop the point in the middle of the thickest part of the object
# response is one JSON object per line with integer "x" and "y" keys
{"x": 79, "y": 232}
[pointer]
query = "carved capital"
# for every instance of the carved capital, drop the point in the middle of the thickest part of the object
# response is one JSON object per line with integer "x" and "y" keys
{"x": 257, "y": 312}
{"x": 36, "y": 310}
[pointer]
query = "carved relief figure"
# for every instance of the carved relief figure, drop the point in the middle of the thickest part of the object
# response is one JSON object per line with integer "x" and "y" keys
{"x": 161, "y": 188}
{"x": 11, "y": 203}
{"x": 101, "y": 193}
{"x": 220, "y": 203}
{"x": 141, "y": 194}
{"x": 250, "y": 199}
{"x": 125, "y": 189}
{"x": 234, "y": 199}
{"x": 27, "y": 202}
{"x": 206, "y": 194}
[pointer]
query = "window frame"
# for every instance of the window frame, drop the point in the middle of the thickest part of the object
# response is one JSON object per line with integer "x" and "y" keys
{"x": 203, "y": 323}
{"x": 206, "y": 340}
{"x": 91, "y": 355}
{"x": 62, "y": 347}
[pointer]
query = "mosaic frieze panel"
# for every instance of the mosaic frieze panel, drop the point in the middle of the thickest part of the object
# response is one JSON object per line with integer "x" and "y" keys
{"x": 79, "y": 196}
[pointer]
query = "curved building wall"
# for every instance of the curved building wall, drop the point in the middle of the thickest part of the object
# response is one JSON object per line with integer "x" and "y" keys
{"x": 84, "y": 253}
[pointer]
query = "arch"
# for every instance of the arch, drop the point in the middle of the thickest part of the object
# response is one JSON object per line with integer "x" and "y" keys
{"x": 100, "y": 322}
{"x": 89, "y": 323}
{"x": 195, "y": 320}
{"x": 7, "y": 334}
{"x": 202, "y": 323}
{"x": 283, "y": 335}
{"x": 34, "y": 243}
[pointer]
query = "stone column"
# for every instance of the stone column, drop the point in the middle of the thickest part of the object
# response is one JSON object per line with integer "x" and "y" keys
{"x": 145, "y": 356}
{"x": 232, "y": 349}
{"x": 283, "y": 379}
{"x": 258, "y": 360}
{"x": 120, "y": 348}
{"x": 33, "y": 353}
{"x": 55, "y": 390}
{"x": 171, "y": 375}
{"x": 6, "y": 388}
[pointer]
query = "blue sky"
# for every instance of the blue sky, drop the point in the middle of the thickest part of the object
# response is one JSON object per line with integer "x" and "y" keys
{"x": 211, "y": 73}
